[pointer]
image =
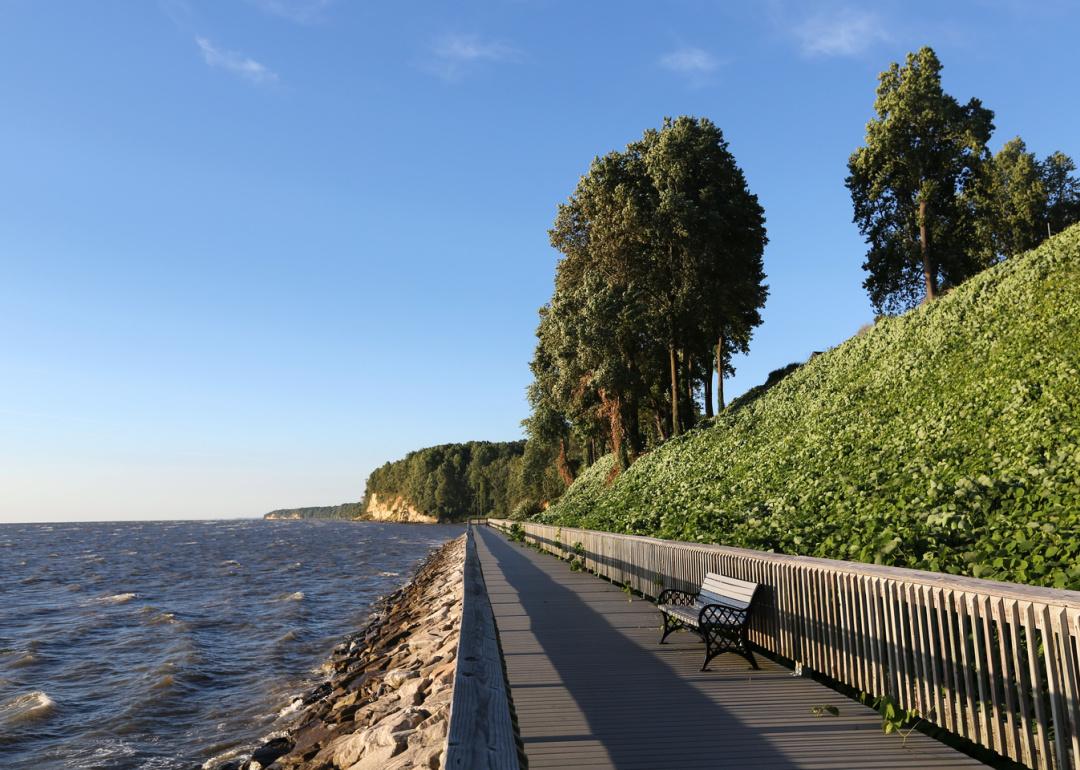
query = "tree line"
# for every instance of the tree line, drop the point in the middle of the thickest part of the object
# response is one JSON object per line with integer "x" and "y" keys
{"x": 453, "y": 481}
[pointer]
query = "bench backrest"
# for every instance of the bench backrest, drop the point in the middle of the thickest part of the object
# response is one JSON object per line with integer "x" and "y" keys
{"x": 721, "y": 589}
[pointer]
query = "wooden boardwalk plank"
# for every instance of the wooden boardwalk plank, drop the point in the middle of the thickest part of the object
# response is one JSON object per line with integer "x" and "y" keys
{"x": 593, "y": 689}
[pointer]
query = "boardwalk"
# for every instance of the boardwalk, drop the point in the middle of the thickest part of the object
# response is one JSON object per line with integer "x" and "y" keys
{"x": 593, "y": 689}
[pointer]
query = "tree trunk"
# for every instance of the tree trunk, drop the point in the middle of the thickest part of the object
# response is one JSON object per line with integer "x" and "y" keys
{"x": 720, "y": 374}
{"x": 612, "y": 407}
{"x": 689, "y": 413}
{"x": 562, "y": 465}
{"x": 633, "y": 428}
{"x": 708, "y": 389}
{"x": 928, "y": 267}
{"x": 660, "y": 426}
{"x": 674, "y": 390}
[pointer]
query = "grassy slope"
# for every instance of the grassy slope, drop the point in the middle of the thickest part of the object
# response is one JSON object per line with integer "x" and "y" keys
{"x": 945, "y": 439}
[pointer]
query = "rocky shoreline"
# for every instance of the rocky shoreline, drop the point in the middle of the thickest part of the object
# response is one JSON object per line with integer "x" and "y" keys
{"x": 385, "y": 703}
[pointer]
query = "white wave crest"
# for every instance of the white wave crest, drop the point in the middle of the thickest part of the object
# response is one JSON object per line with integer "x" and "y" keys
{"x": 28, "y": 707}
{"x": 118, "y": 598}
{"x": 291, "y": 708}
{"x": 389, "y": 574}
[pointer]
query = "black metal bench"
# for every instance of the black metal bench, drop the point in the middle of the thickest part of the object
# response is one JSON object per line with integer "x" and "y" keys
{"x": 719, "y": 613}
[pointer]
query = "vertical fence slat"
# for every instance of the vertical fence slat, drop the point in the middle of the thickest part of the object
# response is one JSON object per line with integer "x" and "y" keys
{"x": 1008, "y": 679}
{"x": 1045, "y": 759}
{"x": 982, "y": 605}
{"x": 1030, "y": 751}
{"x": 946, "y": 694}
{"x": 1054, "y": 687}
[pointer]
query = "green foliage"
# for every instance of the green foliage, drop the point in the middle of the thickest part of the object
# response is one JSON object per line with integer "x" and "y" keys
{"x": 1012, "y": 203}
{"x": 454, "y": 481}
{"x": 1018, "y": 199}
{"x": 343, "y": 511}
{"x": 946, "y": 439}
{"x": 923, "y": 151}
{"x": 662, "y": 270}
{"x": 583, "y": 493}
{"x": 933, "y": 205}
{"x": 756, "y": 392}
{"x": 893, "y": 716}
{"x": 517, "y": 532}
{"x": 1062, "y": 191}
{"x": 525, "y": 509}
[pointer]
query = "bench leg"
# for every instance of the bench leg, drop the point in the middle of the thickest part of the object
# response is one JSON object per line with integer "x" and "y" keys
{"x": 669, "y": 626}
{"x": 723, "y": 643}
{"x": 708, "y": 656}
{"x": 750, "y": 657}
{"x": 746, "y": 651}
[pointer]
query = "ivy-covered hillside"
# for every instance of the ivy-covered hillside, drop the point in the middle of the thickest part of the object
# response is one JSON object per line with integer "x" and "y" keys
{"x": 944, "y": 439}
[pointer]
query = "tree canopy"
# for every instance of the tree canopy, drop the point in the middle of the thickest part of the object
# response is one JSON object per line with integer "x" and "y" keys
{"x": 923, "y": 151}
{"x": 934, "y": 206}
{"x": 661, "y": 280}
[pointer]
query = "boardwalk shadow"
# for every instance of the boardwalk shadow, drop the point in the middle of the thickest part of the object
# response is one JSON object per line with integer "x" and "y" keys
{"x": 642, "y": 711}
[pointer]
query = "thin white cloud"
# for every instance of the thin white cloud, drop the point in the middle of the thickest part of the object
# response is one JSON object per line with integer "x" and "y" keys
{"x": 844, "y": 32}
{"x": 301, "y": 11}
{"x": 236, "y": 63}
{"x": 689, "y": 61}
{"x": 453, "y": 54}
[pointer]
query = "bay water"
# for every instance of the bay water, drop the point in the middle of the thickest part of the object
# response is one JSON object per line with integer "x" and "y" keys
{"x": 167, "y": 645}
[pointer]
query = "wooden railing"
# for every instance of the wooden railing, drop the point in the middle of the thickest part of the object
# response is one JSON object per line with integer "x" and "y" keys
{"x": 995, "y": 663}
{"x": 480, "y": 735}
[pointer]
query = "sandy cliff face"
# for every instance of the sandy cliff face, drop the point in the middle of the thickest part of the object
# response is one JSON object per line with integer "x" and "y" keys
{"x": 396, "y": 509}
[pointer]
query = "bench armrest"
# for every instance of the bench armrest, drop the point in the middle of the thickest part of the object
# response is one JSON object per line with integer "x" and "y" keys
{"x": 722, "y": 615}
{"x": 675, "y": 596}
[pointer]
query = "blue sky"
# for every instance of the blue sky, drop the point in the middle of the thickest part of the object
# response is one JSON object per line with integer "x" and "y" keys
{"x": 251, "y": 249}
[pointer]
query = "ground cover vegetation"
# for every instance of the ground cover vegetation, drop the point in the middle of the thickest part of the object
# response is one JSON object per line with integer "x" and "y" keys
{"x": 945, "y": 439}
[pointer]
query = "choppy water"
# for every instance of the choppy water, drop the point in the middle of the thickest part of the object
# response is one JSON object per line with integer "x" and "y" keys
{"x": 163, "y": 644}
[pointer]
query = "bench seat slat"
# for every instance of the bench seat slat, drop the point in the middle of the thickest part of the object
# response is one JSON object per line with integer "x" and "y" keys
{"x": 727, "y": 601}
{"x": 688, "y": 615}
{"x": 730, "y": 587}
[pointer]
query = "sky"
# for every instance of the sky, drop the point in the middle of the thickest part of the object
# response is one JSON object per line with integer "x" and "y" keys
{"x": 252, "y": 249}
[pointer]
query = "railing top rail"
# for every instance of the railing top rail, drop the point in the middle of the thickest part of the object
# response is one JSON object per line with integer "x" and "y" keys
{"x": 1018, "y": 591}
{"x": 480, "y": 734}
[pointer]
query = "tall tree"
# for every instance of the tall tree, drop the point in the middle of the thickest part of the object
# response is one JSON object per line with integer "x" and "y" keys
{"x": 662, "y": 255}
{"x": 1062, "y": 191}
{"x": 923, "y": 151}
{"x": 1010, "y": 203}
{"x": 1019, "y": 201}
{"x": 707, "y": 238}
